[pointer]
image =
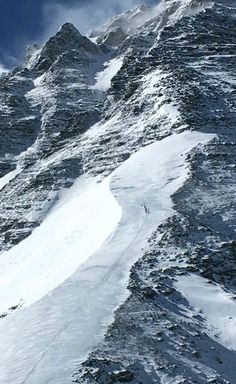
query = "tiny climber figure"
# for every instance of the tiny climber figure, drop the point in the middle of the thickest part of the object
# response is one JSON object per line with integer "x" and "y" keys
{"x": 145, "y": 208}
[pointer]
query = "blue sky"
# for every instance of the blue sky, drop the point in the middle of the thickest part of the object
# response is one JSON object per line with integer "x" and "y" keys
{"x": 23, "y": 22}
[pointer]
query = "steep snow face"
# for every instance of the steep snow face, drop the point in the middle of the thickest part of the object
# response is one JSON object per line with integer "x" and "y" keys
{"x": 103, "y": 78}
{"x": 8, "y": 177}
{"x": 191, "y": 68}
{"x": 83, "y": 305}
{"x": 57, "y": 88}
{"x": 66, "y": 238}
{"x": 217, "y": 306}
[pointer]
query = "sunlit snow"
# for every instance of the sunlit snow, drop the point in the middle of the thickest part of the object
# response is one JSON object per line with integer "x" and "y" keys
{"x": 103, "y": 78}
{"x": 43, "y": 343}
{"x": 53, "y": 252}
{"x": 8, "y": 177}
{"x": 218, "y": 307}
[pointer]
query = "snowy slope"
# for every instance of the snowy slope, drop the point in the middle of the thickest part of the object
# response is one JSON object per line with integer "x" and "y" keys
{"x": 66, "y": 238}
{"x": 8, "y": 177}
{"x": 217, "y": 306}
{"x": 103, "y": 78}
{"x": 117, "y": 230}
{"x": 84, "y": 304}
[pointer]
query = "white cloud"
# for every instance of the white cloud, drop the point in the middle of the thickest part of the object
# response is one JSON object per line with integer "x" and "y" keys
{"x": 3, "y": 69}
{"x": 85, "y": 17}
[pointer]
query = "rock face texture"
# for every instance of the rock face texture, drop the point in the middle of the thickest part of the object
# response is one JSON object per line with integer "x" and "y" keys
{"x": 178, "y": 73}
{"x": 45, "y": 104}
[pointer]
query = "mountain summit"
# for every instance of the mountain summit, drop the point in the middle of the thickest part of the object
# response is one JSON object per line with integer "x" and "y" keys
{"x": 67, "y": 38}
{"x": 117, "y": 197}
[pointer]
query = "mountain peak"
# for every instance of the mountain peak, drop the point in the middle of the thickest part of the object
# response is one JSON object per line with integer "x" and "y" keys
{"x": 67, "y": 38}
{"x": 69, "y": 28}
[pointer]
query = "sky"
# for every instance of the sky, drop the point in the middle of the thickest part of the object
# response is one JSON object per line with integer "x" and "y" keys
{"x": 24, "y": 22}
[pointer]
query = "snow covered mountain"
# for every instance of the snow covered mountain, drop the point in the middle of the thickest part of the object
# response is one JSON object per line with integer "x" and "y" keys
{"x": 117, "y": 197}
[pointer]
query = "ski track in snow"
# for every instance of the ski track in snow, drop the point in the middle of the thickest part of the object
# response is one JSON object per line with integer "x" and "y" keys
{"x": 46, "y": 341}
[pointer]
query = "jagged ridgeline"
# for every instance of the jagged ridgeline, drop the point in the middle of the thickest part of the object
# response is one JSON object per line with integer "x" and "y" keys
{"x": 154, "y": 303}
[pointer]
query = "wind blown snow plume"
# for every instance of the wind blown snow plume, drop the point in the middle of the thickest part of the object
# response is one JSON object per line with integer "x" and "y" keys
{"x": 85, "y": 17}
{"x": 2, "y": 69}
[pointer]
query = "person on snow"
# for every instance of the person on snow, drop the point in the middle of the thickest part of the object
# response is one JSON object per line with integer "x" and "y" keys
{"x": 146, "y": 208}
